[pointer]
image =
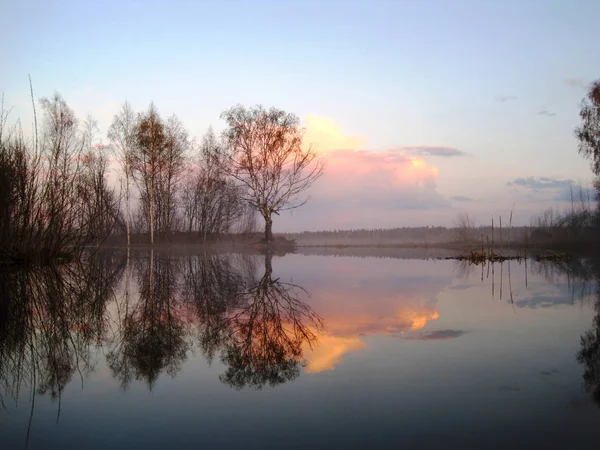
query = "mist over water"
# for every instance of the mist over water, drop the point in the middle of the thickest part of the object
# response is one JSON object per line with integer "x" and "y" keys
{"x": 164, "y": 348}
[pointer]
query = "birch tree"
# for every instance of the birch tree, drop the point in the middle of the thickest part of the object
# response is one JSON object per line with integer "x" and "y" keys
{"x": 122, "y": 136}
{"x": 150, "y": 142}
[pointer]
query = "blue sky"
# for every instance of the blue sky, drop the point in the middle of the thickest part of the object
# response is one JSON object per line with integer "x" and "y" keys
{"x": 500, "y": 81}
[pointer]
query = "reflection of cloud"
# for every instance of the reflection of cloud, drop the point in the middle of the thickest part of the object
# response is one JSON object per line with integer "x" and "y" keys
{"x": 438, "y": 335}
{"x": 445, "y": 152}
{"x": 343, "y": 331}
{"x": 326, "y": 136}
{"x": 544, "y": 112}
{"x": 405, "y": 318}
{"x": 379, "y": 306}
{"x": 329, "y": 351}
{"x": 395, "y": 298}
{"x": 543, "y": 302}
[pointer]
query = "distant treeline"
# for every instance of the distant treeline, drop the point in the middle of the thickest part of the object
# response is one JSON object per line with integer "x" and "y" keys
{"x": 580, "y": 226}
{"x": 407, "y": 235}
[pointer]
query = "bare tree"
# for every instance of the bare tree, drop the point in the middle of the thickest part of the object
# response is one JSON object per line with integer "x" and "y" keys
{"x": 588, "y": 133}
{"x": 465, "y": 225}
{"x": 100, "y": 203}
{"x": 211, "y": 202}
{"x": 171, "y": 168}
{"x": 54, "y": 196}
{"x": 266, "y": 157}
{"x": 146, "y": 160}
{"x": 122, "y": 136}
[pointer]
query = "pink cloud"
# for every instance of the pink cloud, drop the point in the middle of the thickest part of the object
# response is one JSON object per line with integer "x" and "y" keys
{"x": 367, "y": 188}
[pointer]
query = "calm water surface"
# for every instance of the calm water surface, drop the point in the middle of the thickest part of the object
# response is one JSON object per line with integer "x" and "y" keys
{"x": 166, "y": 350}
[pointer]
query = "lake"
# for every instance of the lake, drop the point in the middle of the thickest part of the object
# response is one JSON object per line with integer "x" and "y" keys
{"x": 168, "y": 349}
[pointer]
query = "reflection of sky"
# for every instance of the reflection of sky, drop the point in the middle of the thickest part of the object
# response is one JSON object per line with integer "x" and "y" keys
{"x": 411, "y": 353}
{"x": 361, "y": 297}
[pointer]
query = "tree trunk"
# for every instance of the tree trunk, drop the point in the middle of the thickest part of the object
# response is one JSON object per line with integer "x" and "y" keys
{"x": 128, "y": 211}
{"x": 268, "y": 228}
{"x": 268, "y": 265}
{"x": 151, "y": 213}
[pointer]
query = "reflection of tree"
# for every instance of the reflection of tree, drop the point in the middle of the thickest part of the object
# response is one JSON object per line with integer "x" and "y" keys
{"x": 153, "y": 333}
{"x": 49, "y": 317}
{"x": 584, "y": 271}
{"x": 212, "y": 287}
{"x": 589, "y": 355}
{"x": 579, "y": 272}
{"x": 257, "y": 326}
{"x": 266, "y": 333}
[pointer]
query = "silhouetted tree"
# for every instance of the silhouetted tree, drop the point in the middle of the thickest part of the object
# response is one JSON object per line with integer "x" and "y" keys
{"x": 266, "y": 157}
{"x": 54, "y": 196}
{"x": 588, "y": 133}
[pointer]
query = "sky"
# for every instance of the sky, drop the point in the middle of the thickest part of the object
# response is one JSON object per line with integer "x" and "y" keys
{"x": 419, "y": 109}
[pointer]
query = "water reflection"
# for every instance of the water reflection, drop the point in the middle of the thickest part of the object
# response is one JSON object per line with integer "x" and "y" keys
{"x": 144, "y": 316}
{"x": 257, "y": 327}
{"x": 589, "y": 355}
{"x": 266, "y": 333}
{"x": 577, "y": 280}
{"x": 152, "y": 332}
{"x": 588, "y": 270}
{"x": 50, "y": 318}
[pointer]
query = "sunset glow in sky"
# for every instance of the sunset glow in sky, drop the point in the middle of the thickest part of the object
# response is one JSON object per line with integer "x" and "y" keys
{"x": 420, "y": 109}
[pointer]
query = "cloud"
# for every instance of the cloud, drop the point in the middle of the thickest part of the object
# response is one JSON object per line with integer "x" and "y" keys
{"x": 506, "y": 98}
{"x": 541, "y": 183}
{"x": 326, "y": 136}
{"x": 555, "y": 189}
{"x": 544, "y": 112}
{"x": 438, "y": 335}
{"x": 575, "y": 82}
{"x": 364, "y": 188}
{"x": 445, "y": 152}
{"x": 462, "y": 198}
